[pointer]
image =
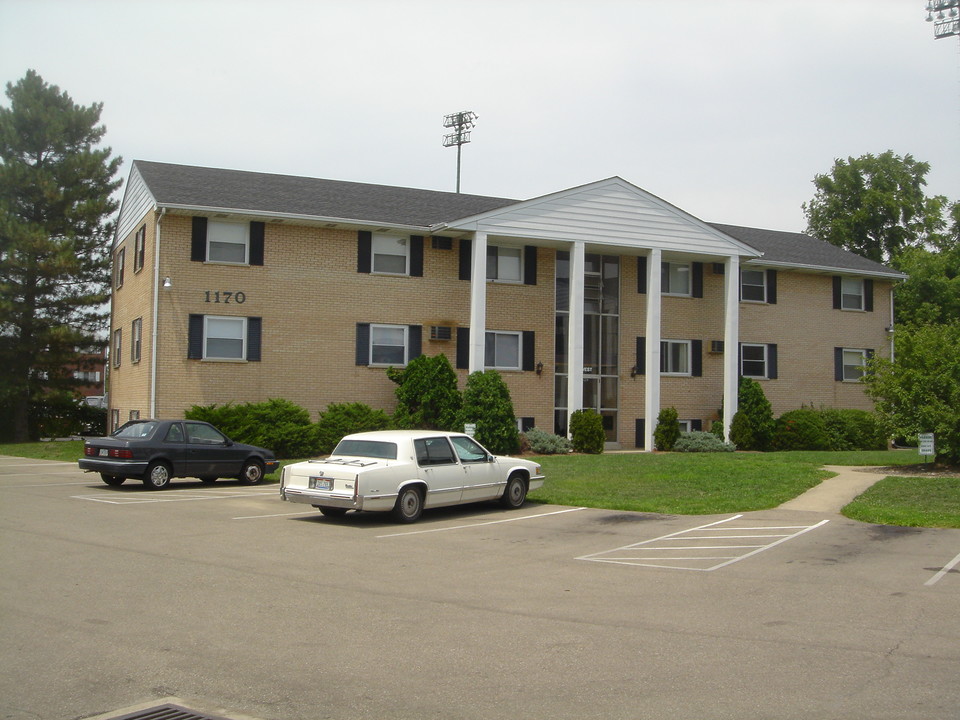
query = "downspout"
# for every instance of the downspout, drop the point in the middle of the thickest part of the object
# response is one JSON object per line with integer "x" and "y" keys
{"x": 156, "y": 314}
{"x": 892, "y": 328}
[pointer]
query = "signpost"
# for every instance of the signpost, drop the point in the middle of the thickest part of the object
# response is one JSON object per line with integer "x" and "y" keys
{"x": 927, "y": 444}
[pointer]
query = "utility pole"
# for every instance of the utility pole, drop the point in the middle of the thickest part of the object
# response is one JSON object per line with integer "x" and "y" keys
{"x": 462, "y": 123}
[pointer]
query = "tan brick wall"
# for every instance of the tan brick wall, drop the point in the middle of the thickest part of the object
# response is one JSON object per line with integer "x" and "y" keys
{"x": 311, "y": 296}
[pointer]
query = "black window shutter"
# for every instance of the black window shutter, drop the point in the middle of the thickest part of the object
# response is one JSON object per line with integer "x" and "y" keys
{"x": 772, "y": 372}
{"x": 254, "y": 336}
{"x": 416, "y": 255}
{"x": 529, "y": 265}
{"x": 364, "y": 252}
{"x": 740, "y": 359}
{"x": 870, "y": 353}
{"x": 527, "y": 423}
{"x": 415, "y": 341}
{"x": 641, "y": 432}
{"x": 363, "y": 343}
{"x": 256, "y": 242}
{"x": 529, "y": 351}
{"x": 466, "y": 249}
{"x": 837, "y": 285}
{"x": 641, "y": 356}
{"x": 772, "y": 287}
{"x": 696, "y": 358}
{"x": 195, "y": 338}
{"x": 696, "y": 425}
{"x": 868, "y": 295}
{"x": 642, "y": 274}
{"x": 697, "y": 272}
{"x": 463, "y": 347}
{"x": 198, "y": 240}
{"x": 838, "y": 363}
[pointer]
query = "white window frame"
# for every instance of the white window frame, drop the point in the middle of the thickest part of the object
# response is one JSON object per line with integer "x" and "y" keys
{"x": 762, "y": 285}
{"x": 381, "y": 245}
{"x": 494, "y": 335}
{"x": 374, "y": 329}
{"x": 685, "y": 426}
{"x": 139, "y": 246}
{"x": 666, "y": 356}
{"x": 119, "y": 268}
{"x": 861, "y": 365}
{"x": 117, "y": 346}
{"x": 240, "y": 321}
{"x": 136, "y": 340}
{"x": 494, "y": 273}
{"x": 845, "y": 283}
{"x": 667, "y": 272}
{"x": 766, "y": 361}
{"x": 223, "y": 232}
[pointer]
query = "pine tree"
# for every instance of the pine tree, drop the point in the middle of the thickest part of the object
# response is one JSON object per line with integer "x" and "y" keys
{"x": 56, "y": 191}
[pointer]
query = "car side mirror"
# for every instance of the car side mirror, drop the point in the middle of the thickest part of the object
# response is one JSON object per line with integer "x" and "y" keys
{"x": 229, "y": 442}
{"x": 491, "y": 458}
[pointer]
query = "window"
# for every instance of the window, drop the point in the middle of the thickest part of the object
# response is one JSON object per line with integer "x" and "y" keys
{"x": 753, "y": 361}
{"x": 138, "y": 248}
{"x": 227, "y": 242}
{"x": 224, "y": 338}
{"x": 753, "y": 285}
{"x": 136, "y": 334}
{"x": 118, "y": 268}
{"x": 851, "y": 363}
{"x": 174, "y": 434}
{"x": 675, "y": 278}
{"x": 117, "y": 346}
{"x": 851, "y": 294}
{"x": 675, "y": 357}
{"x": 504, "y": 264}
{"x": 390, "y": 255}
{"x": 468, "y": 450}
{"x": 134, "y": 415}
{"x": 434, "y": 451}
{"x": 114, "y": 418}
{"x": 87, "y": 376}
{"x": 202, "y": 434}
{"x": 388, "y": 344}
{"x": 502, "y": 350}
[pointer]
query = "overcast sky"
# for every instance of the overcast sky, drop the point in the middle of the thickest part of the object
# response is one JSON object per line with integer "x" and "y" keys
{"x": 724, "y": 108}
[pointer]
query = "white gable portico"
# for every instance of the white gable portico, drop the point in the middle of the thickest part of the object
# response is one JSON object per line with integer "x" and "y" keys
{"x": 608, "y": 217}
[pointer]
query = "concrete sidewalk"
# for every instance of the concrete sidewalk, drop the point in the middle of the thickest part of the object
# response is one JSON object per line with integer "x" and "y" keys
{"x": 833, "y": 493}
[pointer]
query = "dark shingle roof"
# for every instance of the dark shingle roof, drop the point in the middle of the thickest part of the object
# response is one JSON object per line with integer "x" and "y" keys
{"x": 198, "y": 187}
{"x": 798, "y": 249}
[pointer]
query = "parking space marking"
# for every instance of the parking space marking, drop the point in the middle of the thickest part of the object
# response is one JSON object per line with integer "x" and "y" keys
{"x": 946, "y": 568}
{"x": 688, "y": 550}
{"x": 167, "y": 496}
{"x": 480, "y": 524}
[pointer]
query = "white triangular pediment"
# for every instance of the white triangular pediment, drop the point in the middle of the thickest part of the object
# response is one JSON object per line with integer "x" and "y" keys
{"x": 609, "y": 212}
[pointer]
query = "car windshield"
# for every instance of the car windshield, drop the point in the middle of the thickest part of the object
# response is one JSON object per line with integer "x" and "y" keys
{"x": 367, "y": 448}
{"x": 136, "y": 430}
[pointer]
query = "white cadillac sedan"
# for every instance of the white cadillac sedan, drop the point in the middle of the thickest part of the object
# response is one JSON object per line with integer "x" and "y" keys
{"x": 406, "y": 471}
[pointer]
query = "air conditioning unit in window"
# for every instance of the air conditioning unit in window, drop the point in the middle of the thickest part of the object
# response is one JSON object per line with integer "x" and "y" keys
{"x": 716, "y": 346}
{"x": 441, "y": 332}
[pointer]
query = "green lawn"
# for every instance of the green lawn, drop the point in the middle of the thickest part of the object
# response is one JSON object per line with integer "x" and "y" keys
{"x": 909, "y": 501}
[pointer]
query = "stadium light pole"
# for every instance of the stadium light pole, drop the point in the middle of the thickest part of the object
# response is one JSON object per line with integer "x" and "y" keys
{"x": 947, "y": 18}
{"x": 461, "y": 123}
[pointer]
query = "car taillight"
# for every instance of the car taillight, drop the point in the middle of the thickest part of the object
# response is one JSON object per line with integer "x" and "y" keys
{"x": 89, "y": 451}
{"x": 122, "y": 454}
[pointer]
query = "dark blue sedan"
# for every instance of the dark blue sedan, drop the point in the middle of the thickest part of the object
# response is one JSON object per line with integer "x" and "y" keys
{"x": 156, "y": 451}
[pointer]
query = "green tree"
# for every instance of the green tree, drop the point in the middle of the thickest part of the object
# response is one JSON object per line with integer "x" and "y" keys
{"x": 667, "y": 431}
{"x": 487, "y": 403}
{"x": 875, "y": 206}
{"x": 931, "y": 292}
{"x": 427, "y": 394}
{"x": 55, "y": 198}
{"x": 920, "y": 391}
{"x": 753, "y": 424}
{"x": 586, "y": 431}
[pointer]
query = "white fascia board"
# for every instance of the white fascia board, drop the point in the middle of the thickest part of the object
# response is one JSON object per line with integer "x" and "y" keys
{"x": 889, "y": 275}
{"x": 320, "y": 219}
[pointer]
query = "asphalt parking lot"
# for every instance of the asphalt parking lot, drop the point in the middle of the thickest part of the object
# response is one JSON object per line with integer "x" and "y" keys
{"x": 235, "y": 603}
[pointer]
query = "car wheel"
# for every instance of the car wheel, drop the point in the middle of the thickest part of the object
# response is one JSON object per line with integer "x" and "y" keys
{"x": 332, "y": 512}
{"x": 515, "y": 494}
{"x": 208, "y": 479}
{"x": 112, "y": 480}
{"x": 252, "y": 472}
{"x": 409, "y": 505}
{"x": 158, "y": 476}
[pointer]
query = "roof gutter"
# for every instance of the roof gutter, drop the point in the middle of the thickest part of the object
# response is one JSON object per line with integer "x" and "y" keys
{"x": 889, "y": 275}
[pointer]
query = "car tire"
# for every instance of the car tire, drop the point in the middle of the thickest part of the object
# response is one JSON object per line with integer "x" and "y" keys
{"x": 515, "y": 493}
{"x": 332, "y": 512}
{"x": 208, "y": 479}
{"x": 158, "y": 476}
{"x": 112, "y": 480}
{"x": 252, "y": 472}
{"x": 409, "y": 505}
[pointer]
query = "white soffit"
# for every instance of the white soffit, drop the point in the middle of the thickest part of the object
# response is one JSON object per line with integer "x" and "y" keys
{"x": 607, "y": 212}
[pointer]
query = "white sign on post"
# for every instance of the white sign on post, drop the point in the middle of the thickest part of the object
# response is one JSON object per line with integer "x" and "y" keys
{"x": 926, "y": 444}
{"x": 470, "y": 429}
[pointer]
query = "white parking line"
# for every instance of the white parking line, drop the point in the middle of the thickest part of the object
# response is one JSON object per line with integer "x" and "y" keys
{"x": 481, "y": 524}
{"x": 691, "y": 554}
{"x": 167, "y": 496}
{"x": 946, "y": 568}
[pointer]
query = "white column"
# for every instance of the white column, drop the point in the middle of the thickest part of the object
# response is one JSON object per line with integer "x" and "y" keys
{"x": 478, "y": 302}
{"x": 651, "y": 406}
{"x": 731, "y": 341}
{"x": 575, "y": 332}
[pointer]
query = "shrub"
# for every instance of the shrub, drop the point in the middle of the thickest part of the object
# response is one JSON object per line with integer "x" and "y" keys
{"x": 427, "y": 394}
{"x": 487, "y": 403}
{"x": 698, "y": 441}
{"x": 803, "y": 429}
{"x": 716, "y": 428}
{"x": 854, "y": 430}
{"x": 341, "y": 419}
{"x": 276, "y": 424}
{"x": 752, "y": 426}
{"x": 668, "y": 429}
{"x": 544, "y": 443}
{"x": 586, "y": 430}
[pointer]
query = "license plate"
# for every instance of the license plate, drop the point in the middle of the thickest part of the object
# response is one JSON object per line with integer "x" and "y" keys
{"x": 104, "y": 452}
{"x": 321, "y": 483}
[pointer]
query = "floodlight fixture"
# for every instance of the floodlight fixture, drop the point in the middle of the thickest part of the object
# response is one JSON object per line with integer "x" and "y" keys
{"x": 947, "y": 18}
{"x": 461, "y": 123}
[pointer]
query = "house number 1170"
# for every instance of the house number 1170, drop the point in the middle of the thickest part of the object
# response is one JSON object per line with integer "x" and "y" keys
{"x": 224, "y": 296}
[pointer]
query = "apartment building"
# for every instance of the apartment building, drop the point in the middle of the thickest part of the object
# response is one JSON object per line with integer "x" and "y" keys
{"x": 234, "y": 286}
